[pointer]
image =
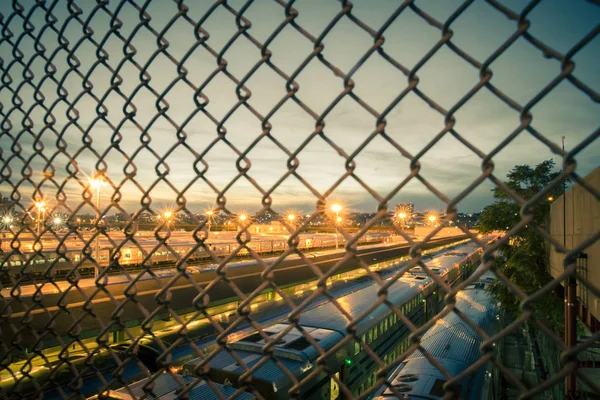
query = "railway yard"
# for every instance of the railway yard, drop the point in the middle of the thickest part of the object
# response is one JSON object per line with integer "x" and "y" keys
{"x": 415, "y": 295}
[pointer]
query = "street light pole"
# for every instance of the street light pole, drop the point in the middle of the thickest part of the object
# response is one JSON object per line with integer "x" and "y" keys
{"x": 570, "y": 299}
{"x": 402, "y": 217}
{"x": 336, "y": 208}
{"x": 41, "y": 207}
{"x": 339, "y": 221}
{"x": 209, "y": 215}
{"x": 291, "y": 217}
{"x": 97, "y": 184}
{"x": 432, "y": 220}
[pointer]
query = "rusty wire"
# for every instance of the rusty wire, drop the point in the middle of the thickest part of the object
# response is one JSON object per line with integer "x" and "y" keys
{"x": 34, "y": 115}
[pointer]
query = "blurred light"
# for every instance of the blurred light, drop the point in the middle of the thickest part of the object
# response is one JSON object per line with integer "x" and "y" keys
{"x": 243, "y": 217}
{"x": 168, "y": 214}
{"x": 402, "y": 215}
{"x": 339, "y": 219}
{"x": 40, "y": 204}
{"x": 291, "y": 217}
{"x": 57, "y": 221}
{"x": 550, "y": 198}
{"x": 336, "y": 208}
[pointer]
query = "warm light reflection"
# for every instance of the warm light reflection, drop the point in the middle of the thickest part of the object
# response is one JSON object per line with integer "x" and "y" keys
{"x": 98, "y": 182}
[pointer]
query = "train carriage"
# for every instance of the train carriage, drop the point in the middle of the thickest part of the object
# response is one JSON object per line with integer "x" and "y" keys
{"x": 455, "y": 349}
{"x": 380, "y": 329}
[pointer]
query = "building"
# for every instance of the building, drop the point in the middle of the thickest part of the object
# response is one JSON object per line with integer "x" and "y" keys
{"x": 573, "y": 223}
{"x": 6, "y": 205}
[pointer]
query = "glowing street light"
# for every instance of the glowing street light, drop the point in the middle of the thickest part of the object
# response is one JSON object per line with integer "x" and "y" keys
{"x": 432, "y": 219}
{"x": 402, "y": 215}
{"x": 243, "y": 218}
{"x": 97, "y": 184}
{"x": 7, "y": 222}
{"x": 57, "y": 221}
{"x": 550, "y": 198}
{"x": 336, "y": 208}
{"x": 291, "y": 217}
{"x": 209, "y": 216}
{"x": 41, "y": 211}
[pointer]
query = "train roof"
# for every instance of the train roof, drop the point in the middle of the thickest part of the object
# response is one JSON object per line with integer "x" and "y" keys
{"x": 451, "y": 341}
{"x": 358, "y": 302}
{"x": 355, "y": 304}
{"x": 166, "y": 387}
{"x": 293, "y": 351}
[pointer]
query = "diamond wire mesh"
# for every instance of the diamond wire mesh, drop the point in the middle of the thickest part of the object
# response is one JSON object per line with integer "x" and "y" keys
{"x": 44, "y": 108}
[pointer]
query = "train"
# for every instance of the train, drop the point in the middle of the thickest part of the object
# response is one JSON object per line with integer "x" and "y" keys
{"x": 131, "y": 256}
{"x": 451, "y": 267}
{"x": 375, "y": 329}
{"x": 455, "y": 349}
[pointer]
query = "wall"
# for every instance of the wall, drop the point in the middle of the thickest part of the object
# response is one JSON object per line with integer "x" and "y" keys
{"x": 582, "y": 215}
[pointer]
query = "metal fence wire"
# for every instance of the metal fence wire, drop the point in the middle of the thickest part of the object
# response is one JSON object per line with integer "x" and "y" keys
{"x": 93, "y": 89}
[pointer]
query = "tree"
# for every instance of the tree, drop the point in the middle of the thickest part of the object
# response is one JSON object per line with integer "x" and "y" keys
{"x": 524, "y": 258}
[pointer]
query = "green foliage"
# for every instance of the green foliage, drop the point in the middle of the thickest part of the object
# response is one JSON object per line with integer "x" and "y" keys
{"x": 523, "y": 259}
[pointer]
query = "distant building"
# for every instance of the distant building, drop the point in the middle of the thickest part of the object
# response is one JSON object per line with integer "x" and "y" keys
{"x": 6, "y": 205}
{"x": 273, "y": 227}
{"x": 469, "y": 220}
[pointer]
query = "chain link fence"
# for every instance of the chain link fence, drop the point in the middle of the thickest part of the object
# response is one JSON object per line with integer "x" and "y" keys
{"x": 111, "y": 109}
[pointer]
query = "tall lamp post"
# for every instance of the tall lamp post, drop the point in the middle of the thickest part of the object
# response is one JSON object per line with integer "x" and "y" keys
{"x": 571, "y": 306}
{"x": 168, "y": 215}
{"x": 243, "y": 218}
{"x": 97, "y": 184}
{"x": 41, "y": 212}
{"x": 209, "y": 216}
{"x": 336, "y": 208}
{"x": 402, "y": 217}
{"x": 432, "y": 219}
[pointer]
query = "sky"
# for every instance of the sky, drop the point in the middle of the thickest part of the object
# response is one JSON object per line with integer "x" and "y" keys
{"x": 52, "y": 135}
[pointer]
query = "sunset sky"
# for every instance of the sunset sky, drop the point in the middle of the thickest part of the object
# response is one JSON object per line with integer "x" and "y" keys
{"x": 520, "y": 72}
